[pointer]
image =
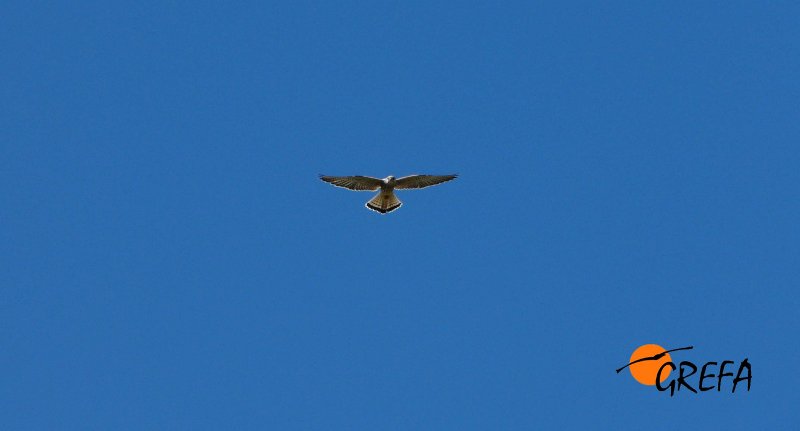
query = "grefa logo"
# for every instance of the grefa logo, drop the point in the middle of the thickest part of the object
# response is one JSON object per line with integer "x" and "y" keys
{"x": 651, "y": 365}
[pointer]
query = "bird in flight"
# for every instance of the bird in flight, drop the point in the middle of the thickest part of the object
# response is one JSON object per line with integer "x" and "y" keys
{"x": 386, "y": 201}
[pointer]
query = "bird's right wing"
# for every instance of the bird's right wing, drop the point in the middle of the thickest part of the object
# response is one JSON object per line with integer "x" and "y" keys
{"x": 358, "y": 182}
{"x": 422, "y": 181}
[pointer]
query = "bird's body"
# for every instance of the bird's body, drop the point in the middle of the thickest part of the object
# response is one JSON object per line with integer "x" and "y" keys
{"x": 388, "y": 183}
{"x": 386, "y": 201}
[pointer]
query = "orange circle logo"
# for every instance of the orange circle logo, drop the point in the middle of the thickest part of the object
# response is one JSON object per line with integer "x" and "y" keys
{"x": 645, "y": 372}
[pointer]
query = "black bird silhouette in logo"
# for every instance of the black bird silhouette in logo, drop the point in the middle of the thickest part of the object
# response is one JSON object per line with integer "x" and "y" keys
{"x": 654, "y": 357}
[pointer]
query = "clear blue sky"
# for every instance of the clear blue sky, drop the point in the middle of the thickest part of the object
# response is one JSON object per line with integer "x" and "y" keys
{"x": 629, "y": 175}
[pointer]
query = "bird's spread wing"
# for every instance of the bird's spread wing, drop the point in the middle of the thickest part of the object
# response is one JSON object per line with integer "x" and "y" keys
{"x": 353, "y": 183}
{"x": 422, "y": 181}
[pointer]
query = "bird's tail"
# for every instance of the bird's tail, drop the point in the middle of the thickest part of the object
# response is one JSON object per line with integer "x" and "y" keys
{"x": 384, "y": 202}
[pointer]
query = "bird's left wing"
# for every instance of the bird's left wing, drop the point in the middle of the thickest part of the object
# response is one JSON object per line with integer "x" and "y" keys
{"x": 422, "y": 181}
{"x": 357, "y": 182}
